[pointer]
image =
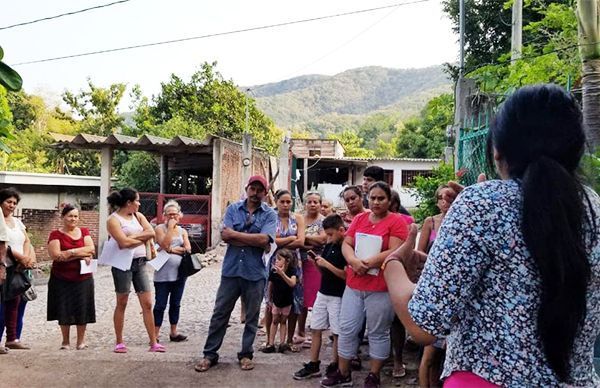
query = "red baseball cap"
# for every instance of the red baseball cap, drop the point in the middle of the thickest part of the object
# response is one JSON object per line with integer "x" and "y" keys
{"x": 260, "y": 179}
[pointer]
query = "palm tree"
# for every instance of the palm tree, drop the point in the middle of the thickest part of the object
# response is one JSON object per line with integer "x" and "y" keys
{"x": 588, "y": 16}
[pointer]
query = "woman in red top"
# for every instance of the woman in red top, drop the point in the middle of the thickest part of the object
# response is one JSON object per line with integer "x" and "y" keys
{"x": 70, "y": 294}
{"x": 366, "y": 292}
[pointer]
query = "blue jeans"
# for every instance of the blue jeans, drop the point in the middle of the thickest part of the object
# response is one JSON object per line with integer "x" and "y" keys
{"x": 229, "y": 292}
{"x": 162, "y": 291}
{"x": 20, "y": 314}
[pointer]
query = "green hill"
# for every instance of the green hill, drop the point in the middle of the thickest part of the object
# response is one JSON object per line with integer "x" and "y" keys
{"x": 330, "y": 103}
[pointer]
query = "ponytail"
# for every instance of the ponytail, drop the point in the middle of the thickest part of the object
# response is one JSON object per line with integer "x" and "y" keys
{"x": 552, "y": 226}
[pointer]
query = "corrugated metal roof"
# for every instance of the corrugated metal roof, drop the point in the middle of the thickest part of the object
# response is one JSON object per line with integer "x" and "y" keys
{"x": 144, "y": 143}
{"x": 349, "y": 158}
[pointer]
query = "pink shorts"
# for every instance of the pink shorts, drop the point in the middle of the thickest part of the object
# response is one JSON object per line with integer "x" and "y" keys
{"x": 281, "y": 310}
{"x": 462, "y": 379}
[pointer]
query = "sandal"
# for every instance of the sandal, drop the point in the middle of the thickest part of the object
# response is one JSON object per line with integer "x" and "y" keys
{"x": 120, "y": 348}
{"x": 177, "y": 338}
{"x": 298, "y": 339}
{"x": 204, "y": 365}
{"x": 246, "y": 363}
{"x": 400, "y": 372}
{"x": 65, "y": 347}
{"x": 293, "y": 348}
{"x": 157, "y": 348}
{"x": 3, "y": 350}
{"x": 82, "y": 347}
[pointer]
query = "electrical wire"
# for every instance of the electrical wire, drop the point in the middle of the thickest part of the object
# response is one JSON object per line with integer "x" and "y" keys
{"x": 276, "y": 25}
{"x": 528, "y": 57}
{"x": 63, "y": 14}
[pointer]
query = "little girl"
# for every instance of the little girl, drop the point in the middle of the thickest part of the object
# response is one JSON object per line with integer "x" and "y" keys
{"x": 282, "y": 280}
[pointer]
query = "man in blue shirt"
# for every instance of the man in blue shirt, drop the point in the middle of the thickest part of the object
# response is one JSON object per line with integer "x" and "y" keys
{"x": 249, "y": 228}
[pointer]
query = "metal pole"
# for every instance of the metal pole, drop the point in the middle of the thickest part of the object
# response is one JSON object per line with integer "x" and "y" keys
{"x": 246, "y": 150}
{"x": 517, "y": 30}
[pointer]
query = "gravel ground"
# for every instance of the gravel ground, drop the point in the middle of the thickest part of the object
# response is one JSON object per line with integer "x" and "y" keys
{"x": 45, "y": 365}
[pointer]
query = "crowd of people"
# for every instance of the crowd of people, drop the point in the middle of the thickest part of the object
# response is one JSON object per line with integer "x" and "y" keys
{"x": 502, "y": 288}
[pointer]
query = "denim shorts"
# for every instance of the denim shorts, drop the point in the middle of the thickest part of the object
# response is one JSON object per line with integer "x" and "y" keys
{"x": 136, "y": 274}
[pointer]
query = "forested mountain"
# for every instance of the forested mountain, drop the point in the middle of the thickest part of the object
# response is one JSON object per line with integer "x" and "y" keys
{"x": 331, "y": 103}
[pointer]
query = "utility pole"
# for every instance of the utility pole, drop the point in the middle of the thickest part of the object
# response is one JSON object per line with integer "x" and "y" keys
{"x": 459, "y": 100}
{"x": 246, "y": 150}
{"x": 517, "y": 30}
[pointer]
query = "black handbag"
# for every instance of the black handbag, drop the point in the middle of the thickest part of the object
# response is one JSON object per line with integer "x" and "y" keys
{"x": 187, "y": 266}
{"x": 17, "y": 281}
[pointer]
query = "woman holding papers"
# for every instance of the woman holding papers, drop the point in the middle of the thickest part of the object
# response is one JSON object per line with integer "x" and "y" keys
{"x": 130, "y": 230}
{"x": 371, "y": 237}
{"x": 168, "y": 286}
{"x": 22, "y": 254}
{"x": 71, "y": 292}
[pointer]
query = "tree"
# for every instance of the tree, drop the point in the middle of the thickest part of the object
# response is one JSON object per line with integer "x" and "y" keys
{"x": 588, "y": 15}
{"x": 353, "y": 144}
{"x": 488, "y": 27}
{"x": 208, "y": 104}
{"x": 550, "y": 55}
{"x": 425, "y": 188}
{"x": 9, "y": 80}
{"x": 425, "y": 135}
{"x": 98, "y": 108}
{"x": 141, "y": 171}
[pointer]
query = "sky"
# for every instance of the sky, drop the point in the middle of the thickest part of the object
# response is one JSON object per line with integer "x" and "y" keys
{"x": 407, "y": 36}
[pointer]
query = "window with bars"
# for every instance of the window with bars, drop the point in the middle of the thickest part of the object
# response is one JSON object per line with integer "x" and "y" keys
{"x": 408, "y": 176}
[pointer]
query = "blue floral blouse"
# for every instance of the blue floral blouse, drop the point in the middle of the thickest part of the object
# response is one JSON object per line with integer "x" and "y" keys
{"x": 480, "y": 289}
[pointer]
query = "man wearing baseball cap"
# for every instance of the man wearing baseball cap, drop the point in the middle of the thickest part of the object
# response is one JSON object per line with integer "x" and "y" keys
{"x": 249, "y": 228}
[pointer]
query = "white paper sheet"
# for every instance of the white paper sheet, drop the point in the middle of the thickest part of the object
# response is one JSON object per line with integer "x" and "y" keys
{"x": 88, "y": 268}
{"x": 115, "y": 257}
{"x": 267, "y": 255}
{"x": 157, "y": 263}
{"x": 367, "y": 246}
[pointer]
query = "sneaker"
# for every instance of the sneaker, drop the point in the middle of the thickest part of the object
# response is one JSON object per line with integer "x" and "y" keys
{"x": 311, "y": 369}
{"x": 269, "y": 349}
{"x": 372, "y": 381}
{"x": 337, "y": 380}
{"x": 331, "y": 369}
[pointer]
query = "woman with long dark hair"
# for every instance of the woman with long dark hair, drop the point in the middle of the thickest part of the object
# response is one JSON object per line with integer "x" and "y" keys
{"x": 513, "y": 277}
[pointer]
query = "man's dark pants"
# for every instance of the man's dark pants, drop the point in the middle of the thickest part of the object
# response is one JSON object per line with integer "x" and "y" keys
{"x": 229, "y": 292}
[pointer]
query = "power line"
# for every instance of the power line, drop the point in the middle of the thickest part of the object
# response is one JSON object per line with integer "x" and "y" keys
{"x": 501, "y": 63}
{"x": 221, "y": 33}
{"x": 340, "y": 46}
{"x": 63, "y": 14}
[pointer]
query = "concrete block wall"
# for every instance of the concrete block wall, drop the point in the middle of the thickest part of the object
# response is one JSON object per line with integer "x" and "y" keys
{"x": 40, "y": 223}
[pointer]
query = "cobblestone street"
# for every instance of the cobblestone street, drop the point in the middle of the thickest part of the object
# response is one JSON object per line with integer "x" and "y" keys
{"x": 46, "y": 365}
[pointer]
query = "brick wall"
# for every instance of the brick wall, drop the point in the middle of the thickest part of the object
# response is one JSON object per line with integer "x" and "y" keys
{"x": 40, "y": 223}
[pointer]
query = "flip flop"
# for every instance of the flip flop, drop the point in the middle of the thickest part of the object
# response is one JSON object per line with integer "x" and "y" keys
{"x": 65, "y": 347}
{"x": 398, "y": 373}
{"x": 204, "y": 365}
{"x": 246, "y": 364}
{"x": 120, "y": 348}
{"x": 82, "y": 347}
{"x": 157, "y": 348}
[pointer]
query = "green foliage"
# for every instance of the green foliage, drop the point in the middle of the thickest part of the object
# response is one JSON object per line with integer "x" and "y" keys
{"x": 207, "y": 104}
{"x": 425, "y": 135}
{"x": 590, "y": 170}
{"x": 549, "y": 52}
{"x": 9, "y": 78}
{"x": 353, "y": 144}
{"x": 488, "y": 27}
{"x": 98, "y": 108}
{"x": 141, "y": 170}
{"x": 425, "y": 188}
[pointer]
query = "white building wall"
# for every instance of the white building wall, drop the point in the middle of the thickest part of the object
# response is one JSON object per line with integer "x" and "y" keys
{"x": 398, "y": 166}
